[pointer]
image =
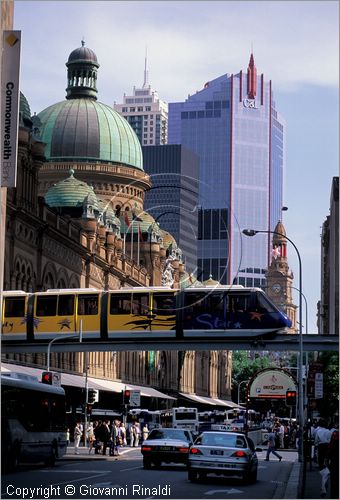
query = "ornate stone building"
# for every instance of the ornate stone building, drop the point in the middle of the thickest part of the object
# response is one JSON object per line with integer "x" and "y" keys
{"x": 280, "y": 277}
{"x": 76, "y": 219}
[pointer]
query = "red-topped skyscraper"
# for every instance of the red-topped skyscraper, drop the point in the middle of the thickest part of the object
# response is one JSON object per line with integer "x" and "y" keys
{"x": 233, "y": 125}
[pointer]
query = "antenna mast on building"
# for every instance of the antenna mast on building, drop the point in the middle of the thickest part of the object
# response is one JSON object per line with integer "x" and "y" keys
{"x": 146, "y": 72}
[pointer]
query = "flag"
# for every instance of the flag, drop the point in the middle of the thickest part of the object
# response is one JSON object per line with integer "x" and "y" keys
{"x": 135, "y": 217}
{"x": 126, "y": 219}
{"x": 276, "y": 252}
{"x": 140, "y": 234}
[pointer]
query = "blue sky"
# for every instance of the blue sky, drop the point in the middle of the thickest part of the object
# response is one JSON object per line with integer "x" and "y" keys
{"x": 295, "y": 44}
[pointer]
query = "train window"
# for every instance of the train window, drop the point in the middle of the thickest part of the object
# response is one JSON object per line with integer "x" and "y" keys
{"x": 46, "y": 305}
{"x": 214, "y": 302}
{"x": 120, "y": 304}
{"x": 194, "y": 302}
{"x": 163, "y": 303}
{"x": 66, "y": 305}
{"x": 238, "y": 303}
{"x": 14, "y": 307}
{"x": 87, "y": 305}
{"x": 262, "y": 305}
{"x": 140, "y": 303}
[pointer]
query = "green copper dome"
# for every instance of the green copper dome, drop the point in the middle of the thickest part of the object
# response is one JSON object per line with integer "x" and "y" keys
{"x": 24, "y": 112}
{"x": 83, "y": 129}
{"x": 71, "y": 192}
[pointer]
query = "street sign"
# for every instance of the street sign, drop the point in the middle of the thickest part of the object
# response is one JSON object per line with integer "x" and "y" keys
{"x": 56, "y": 379}
{"x": 135, "y": 399}
{"x": 318, "y": 385}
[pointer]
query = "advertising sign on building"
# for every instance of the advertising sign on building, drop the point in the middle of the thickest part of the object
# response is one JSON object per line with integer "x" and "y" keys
{"x": 10, "y": 68}
{"x": 271, "y": 384}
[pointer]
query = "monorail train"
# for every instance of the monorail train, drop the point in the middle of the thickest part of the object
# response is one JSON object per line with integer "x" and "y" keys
{"x": 154, "y": 312}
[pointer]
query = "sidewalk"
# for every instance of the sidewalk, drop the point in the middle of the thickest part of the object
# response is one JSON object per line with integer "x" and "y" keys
{"x": 311, "y": 489}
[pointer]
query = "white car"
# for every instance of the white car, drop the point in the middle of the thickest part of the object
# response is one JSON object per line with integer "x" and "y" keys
{"x": 166, "y": 445}
{"x": 223, "y": 453}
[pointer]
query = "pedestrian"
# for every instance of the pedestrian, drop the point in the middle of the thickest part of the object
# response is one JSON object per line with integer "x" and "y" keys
{"x": 322, "y": 438}
{"x": 123, "y": 429}
{"x": 76, "y": 436}
{"x": 90, "y": 436}
{"x": 133, "y": 434}
{"x": 145, "y": 432}
{"x": 281, "y": 434}
{"x": 271, "y": 446}
{"x": 138, "y": 434}
{"x": 333, "y": 463}
{"x": 67, "y": 436}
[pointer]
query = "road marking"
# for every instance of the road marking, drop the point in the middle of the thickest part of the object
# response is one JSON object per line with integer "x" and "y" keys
{"x": 82, "y": 471}
{"x": 130, "y": 468}
{"x": 229, "y": 492}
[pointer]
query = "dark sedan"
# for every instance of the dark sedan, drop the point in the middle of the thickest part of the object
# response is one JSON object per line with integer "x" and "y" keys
{"x": 166, "y": 445}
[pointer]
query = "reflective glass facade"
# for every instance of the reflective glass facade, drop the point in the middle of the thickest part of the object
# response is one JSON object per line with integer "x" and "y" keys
{"x": 239, "y": 138}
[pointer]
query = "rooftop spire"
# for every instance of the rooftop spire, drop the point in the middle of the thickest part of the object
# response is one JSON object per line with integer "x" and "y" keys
{"x": 251, "y": 78}
{"x": 146, "y": 72}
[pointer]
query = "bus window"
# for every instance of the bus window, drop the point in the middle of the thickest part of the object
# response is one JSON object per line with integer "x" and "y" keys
{"x": 87, "y": 305}
{"x": 46, "y": 305}
{"x": 14, "y": 307}
{"x": 120, "y": 304}
{"x": 140, "y": 304}
{"x": 66, "y": 305}
{"x": 163, "y": 303}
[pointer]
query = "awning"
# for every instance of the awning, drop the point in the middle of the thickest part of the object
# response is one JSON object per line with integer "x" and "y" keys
{"x": 111, "y": 385}
{"x": 67, "y": 379}
{"x": 209, "y": 401}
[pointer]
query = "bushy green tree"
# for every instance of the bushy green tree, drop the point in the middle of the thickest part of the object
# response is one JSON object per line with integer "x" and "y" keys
{"x": 244, "y": 368}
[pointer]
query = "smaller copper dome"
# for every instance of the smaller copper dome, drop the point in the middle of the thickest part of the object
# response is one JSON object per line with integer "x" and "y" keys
{"x": 82, "y": 54}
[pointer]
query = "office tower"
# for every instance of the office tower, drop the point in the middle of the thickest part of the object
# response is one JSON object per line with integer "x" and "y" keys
{"x": 173, "y": 198}
{"x": 234, "y": 127}
{"x": 146, "y": 113}
{"x": 328, "y": 306}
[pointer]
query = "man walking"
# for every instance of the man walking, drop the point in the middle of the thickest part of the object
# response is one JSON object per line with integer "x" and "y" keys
{"x": 271, "y": 446}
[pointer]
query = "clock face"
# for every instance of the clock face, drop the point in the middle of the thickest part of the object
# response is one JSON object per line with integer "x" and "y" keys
{"x": 276, "y": 288}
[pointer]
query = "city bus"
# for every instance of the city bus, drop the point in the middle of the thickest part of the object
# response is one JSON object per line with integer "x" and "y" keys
{"x": 149, "y": 417}
{"x": 33, "y": 419}
{"x": 180, "y": 418}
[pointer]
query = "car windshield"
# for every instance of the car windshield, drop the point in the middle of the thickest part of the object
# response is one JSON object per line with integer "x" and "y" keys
{"x": 169, "y": 434}
{"x": 228, "y": 440}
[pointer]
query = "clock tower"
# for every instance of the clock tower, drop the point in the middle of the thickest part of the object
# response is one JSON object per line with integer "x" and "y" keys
{"x": 280, "y": 277}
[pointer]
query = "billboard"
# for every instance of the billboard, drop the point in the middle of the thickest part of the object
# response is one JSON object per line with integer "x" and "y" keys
{"x": 10, "y": 68}
{"x": 271, "y": 383}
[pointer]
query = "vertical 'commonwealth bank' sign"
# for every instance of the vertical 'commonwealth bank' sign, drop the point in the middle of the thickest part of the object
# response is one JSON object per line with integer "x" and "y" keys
{"x": 10, "y": 69}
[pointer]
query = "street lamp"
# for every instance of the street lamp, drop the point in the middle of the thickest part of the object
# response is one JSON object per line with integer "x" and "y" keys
{"x": 238, "y": 390}
{"x": 253, "y": 232}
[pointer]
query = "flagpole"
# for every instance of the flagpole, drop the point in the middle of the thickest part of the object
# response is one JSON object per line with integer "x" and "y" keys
{"x": 132, "y": 239}
{"x": 138, "y": 244}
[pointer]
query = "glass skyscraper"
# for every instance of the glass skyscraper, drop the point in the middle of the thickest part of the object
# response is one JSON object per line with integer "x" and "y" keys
{"x": 234, "y": 128}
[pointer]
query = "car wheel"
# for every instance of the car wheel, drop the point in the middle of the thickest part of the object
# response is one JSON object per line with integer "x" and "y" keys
{"x": 146, "y": 463}
{"x": 192, "y": 475}
{"x": 253, "y": 476}
{"x": 50, "y": 461}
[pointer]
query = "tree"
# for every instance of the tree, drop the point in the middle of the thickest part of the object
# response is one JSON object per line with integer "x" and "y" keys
{"x": 244, "y": 368}
{"x": 330, "y": 361}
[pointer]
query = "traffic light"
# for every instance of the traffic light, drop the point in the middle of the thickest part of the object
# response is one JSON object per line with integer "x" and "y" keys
{"x": 46, "y": 378}
{"x": 92, "y": 396}
{"x": 290, "y": 398}
{"x": 126, "y": 397}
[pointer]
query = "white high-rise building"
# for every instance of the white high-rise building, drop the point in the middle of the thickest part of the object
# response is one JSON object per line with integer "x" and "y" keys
{"x": 146, "y": 113}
